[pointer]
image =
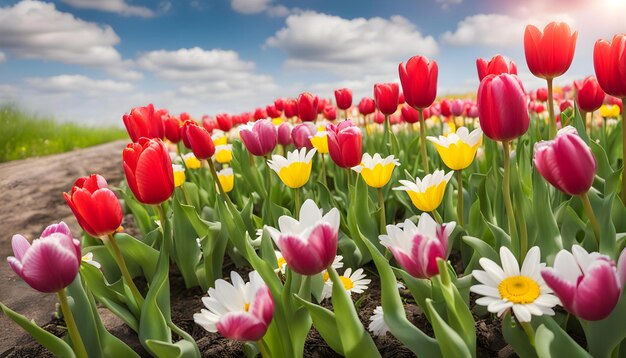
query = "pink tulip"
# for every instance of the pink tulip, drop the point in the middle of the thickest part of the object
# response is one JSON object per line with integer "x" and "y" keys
{"x": 417, "y": 248}
{"x": 301, "y": 134}
{"x": 345, "y": 144}
{"x": 259, "y": 138}
{"x": 51, "y": 263}
{"x": 238, "y": 310}
{"x": 308, "y": 246}
{"x": 284, "y": 133}
{"x": 566, "y": 162}
{"x": 588, "y": 284}
{"x": 457, "y": 107}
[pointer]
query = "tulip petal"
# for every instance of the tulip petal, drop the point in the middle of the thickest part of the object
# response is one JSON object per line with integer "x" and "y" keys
{"x": 598, "y": 292}
{"x": 50, "y": 264}
{"x": 20, "y": 245}
{"x": 562, "y": 288}
{"x": 241, "y": 326}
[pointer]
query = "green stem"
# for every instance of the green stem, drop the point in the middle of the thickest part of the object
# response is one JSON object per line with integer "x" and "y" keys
{"x": 623, "y": 193}
{"x": 263, "y": 348}
{"x": 530, "y": 332}
{"x": 345, "y": 113}
{"x": 269, "y": 176}
{"x": 588, "y": 124}
{"x": 551, "y": 110}
{"x": 387, "y": 137}
{"x": 324, "y": 180}
{"x": 459, "y": 207}
{"x": 79, "y": 346}
{"x": 437, "y": 217}
{"x": 223, "y": 194}
{"x": 592, "y": 217}
{"x": 297, "y": 202}
{"x": 305, "y": 288}
{"x": 381, "y": 204}
{"x": 186, "y": 195}
{"x": 348, "y": 177}
{"x": 506, "y": 188}
{"x": 121, "y": 263}
{"x": 167, "y": 237}
{"x": 420, "y": 113}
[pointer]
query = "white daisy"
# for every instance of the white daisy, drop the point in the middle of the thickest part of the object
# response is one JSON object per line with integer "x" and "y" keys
{"x": 352, "y": 282}
{"x": 509, "y": 288}
{"x": 462, "y": 134}
{"x": 88, "y": 259}
{"x": 377, "y": 322}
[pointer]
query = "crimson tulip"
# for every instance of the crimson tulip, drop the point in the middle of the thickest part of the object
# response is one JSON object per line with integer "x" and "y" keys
{"x": 549, "y": 54}
{"x": 144, "y": 122}
{"x": 409, "y": 114}
{"x": 291, "y": 107}
{"x": 589, "y": 94}
{"x": 279, "y": 103}
{"x": 542, "y": 94}
{"x": 444, "y": 106}
{"x": 367, "y": 106}
{"x": 272, "y": 111}
{"x": 379, "y": 117}
{"x": 330, "y": 112}
{"x": 321, "y": 104}
{"x": 401, "y": 99}
{"x": 172, "y": 129}
{"x": 566, "y": 162}
{"x": 260, "y": 113}
{"x": 148, "y": 170}
{"x": 345, "y": 142}
{"x": 386, "y": 97}
{"x": 260, "y": 138}
{"x": 307, "y": 107}
{"x": 495, "y": 66}
{"x": 224, "y": 121}
{"x": 608, "y": 61}
{"x": 419, "y": 81}
{"x": 95, "y": 206}
{"x": 343, "y": 98}
{"x": 301, "y": 135}
{"x": 565, "y": 104}
{"x": 198, "y": 140}
{"x": 502, "y": 107}
{"x": 209, "y": 124}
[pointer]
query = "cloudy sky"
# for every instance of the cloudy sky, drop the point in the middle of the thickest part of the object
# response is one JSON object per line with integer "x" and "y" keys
{"x": 92, "y": 60}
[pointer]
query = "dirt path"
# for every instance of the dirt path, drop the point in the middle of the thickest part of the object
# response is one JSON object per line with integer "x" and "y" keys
{"x": 31, "y": 199}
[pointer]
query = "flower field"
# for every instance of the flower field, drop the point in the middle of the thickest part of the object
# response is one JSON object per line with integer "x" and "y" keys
{"x": 397, "y": 225}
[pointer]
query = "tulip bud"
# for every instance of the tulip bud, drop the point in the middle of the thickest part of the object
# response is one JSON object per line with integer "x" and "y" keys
{"x": 95, "y": 206}
{"x": 172, "y": 129}
{"x": 148, "y": 170}
{"x": 608, "y": 62}
{"x": 260, "y": 113}
{"x": 367, "y": 106}
{"x": 378, "y": 117}
{"x": 330, "y": 113}
{"x": 589, "y": 94}
{"x": 224, "y": 121}
{"x": 284, "y": 134}
{"x": 307, "y": 107}
{"x": 502, "y": 107}
{"x": 566, "y": 162}
{"x": 386, "y": 97}
{"x": 144, "y": 122}
{"x": 410, "y": 114}
{"x": 457, "y": 107}
{"x": 343, "y": 98}
{"x": 549, "y": 54}
{"x": 301, "y": 134}
{"x": 345, "y": 144}
{"x": 272, "y": 111}
{"x": 259, "y": 138}
{"x": 497, "y": 65}
{"x": 419, "y": 81}
{"x": 279, "y": 103}
{"x": 198, "y": 140}
{"x": 291, "y": 108}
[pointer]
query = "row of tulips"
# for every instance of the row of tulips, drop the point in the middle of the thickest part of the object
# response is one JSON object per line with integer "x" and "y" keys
{"x": 265, "y": 195}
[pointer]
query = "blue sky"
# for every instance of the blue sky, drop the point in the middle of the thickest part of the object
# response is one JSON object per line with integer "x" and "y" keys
{"x": 92, "y": 60}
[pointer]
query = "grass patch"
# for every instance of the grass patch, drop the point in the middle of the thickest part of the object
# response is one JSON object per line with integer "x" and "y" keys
{"x": 24, "y": 135}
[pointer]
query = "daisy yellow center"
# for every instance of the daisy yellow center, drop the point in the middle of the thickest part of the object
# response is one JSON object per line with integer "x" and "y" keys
{"x": 347, "y": 282}
{"x": 326, "y": 276}
{"x": 246, "y": 307}
{"x": 519, "y": 289}
{"x": 281, "y": 261}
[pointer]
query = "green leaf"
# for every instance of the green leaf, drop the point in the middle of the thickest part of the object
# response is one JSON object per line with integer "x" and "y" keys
{"x": 515, "y": 336}
{"x": 325, "y": 323}
{"x": 54, "y": 344}
{"x": 140, "y": 213}
{"x": 482, "y": 248}
{"x": 186, "y": 251}
{"x": 549, "y": 241}
{"x": 552, "y": 341}
{"x": 605, "y": 335}
{"x": 451, "y": 344}
{"x": 356, "y": 342}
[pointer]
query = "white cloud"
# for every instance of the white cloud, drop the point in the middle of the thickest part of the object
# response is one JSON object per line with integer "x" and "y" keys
{"x": 77, "y": 83}
{"x": 496, "y": 29}
{"x": 115, "y": 6}
{"x": 3, "y": 57}
{"x": 445, "y": 4}
{"x": 349, "y": 47}
{"x": 37, "y": 30}
{"x": 250, "y": 6}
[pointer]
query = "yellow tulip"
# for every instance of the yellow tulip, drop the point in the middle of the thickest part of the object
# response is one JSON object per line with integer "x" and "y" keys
{"x": 320, "y": 142}
{"x": 179, "y": 174}
{"x": 191, "y": 161}
{"x": 426, "y": 194}
{"x": 227, "y": 179}
{"x": 457, "y": 150}
{"x": 295, "y": 170}
{"x": 609, "y": 111}
{"x": 224, "y": 153}
{"x": 376, "y": 171}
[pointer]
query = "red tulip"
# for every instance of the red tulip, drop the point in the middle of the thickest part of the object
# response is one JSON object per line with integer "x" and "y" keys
{"x": 301, "y": 135}
{"x": 566, "y": 162}
{"x": 307, "y": 107}
{"x": 608, "y": 60}
{"x": 345, "y": 143}
{"x": 272, "y": 111}
{"x": 198, "y": 140}
{"x": 589, "y": 94}
{"x": 401, "y": 99}
{"x": 172, "y": 129}
{"x": 495, "y": 66}
{"x": 260, "y": 113}
{"x": 419, "y": 81}
{"x": 395, "y": 118}
{"x": 279, "y": 103}
{"x": 144, "y": 122}
{"x": 386, "y": 97}
{"x": 148, "y": 170}
{"x": 444, "y": 106}
{"x": 224, "y": 121}
{"x": 183, "y": 116}
{"x": 259, "y": 138}
{"x": 367, "y": 106}
{"x": 330, "y": 112}
{"x": 502, "y": 107}
{"x": 410, "y": 114}
{"x": 209, "y": 123}
{"x": 321, "y": 104}
{"x": 379, "y": 117}
{"x": 542, "y": 94}
{"x": 94, "y": 205}
{"x": 549, "y": 54}
{"x": 291, "y": 108}
{"x": 284, "y": 133}
{"x": 565, "y": 104}
{"x": 343, "y": 97}
{"x": 472, "y": 111}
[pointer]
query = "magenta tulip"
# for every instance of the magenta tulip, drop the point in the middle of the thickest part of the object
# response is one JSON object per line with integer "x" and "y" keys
{"x": 502, "y": 107}
{"x": 259, "y": 138}
{"x": 345, "y": 142}
{"x": 284, "y": 133}
{"x": 301, "y": 135}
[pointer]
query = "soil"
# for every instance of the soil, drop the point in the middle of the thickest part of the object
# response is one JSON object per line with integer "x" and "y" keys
{"x": 35, "y": 186}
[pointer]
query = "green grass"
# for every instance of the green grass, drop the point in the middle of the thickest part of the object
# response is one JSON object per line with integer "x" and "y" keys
{"x": 24, "y": 135}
